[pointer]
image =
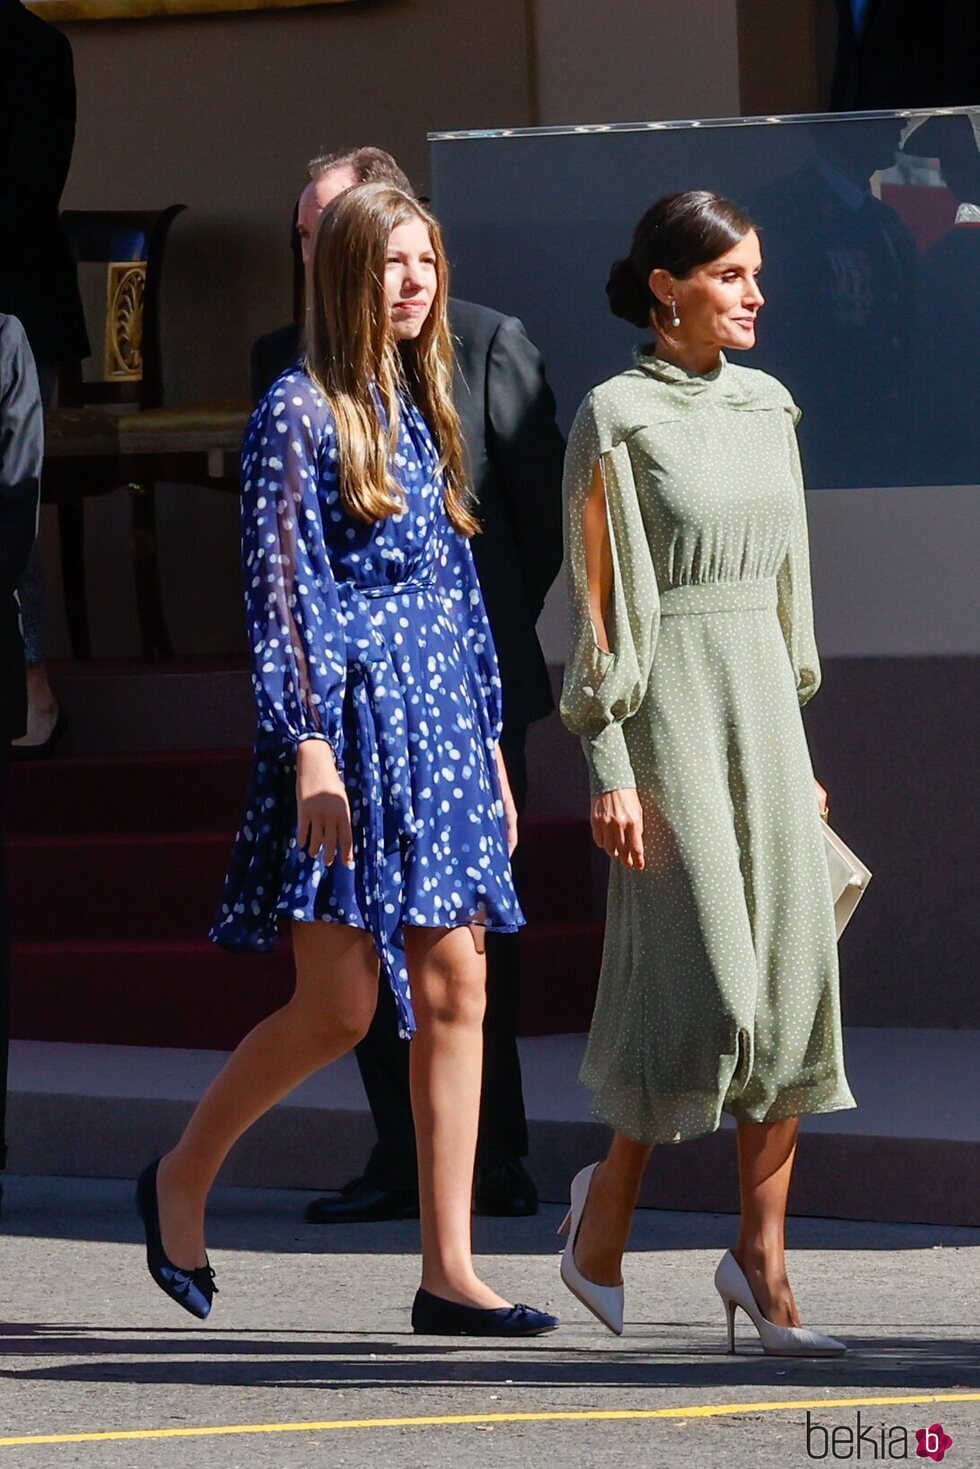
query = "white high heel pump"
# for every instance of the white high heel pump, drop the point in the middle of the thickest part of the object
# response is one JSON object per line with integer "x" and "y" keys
{"x": 604, "y": 1301}
{"x": 777, "y": 1341}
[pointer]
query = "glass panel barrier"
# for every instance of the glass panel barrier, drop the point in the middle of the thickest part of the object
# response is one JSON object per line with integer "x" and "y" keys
{"x": 870, "y": 230}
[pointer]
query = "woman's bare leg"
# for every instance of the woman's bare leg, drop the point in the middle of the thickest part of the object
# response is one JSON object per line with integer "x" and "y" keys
{"x": 766, "y": 1152}
{"x": 448, "y": 975}
{"x": 608, "y": 1216}
{"x": 329, "y": 1012}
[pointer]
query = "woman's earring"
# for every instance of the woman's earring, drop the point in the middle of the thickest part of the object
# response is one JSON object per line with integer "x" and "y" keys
{"x": 675, "y": 319}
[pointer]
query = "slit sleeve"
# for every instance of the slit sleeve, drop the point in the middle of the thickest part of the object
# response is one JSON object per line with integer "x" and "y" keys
{"x": 602, "y": 690}
{"x": 293, "y": 613}
{"x": 794, "y": 596}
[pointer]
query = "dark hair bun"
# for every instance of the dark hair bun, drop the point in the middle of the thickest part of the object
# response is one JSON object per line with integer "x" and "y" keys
{"x": 629, "y": 297}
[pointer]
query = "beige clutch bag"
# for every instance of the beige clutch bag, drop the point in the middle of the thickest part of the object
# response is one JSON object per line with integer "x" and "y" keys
{"x": 849, "y": 877}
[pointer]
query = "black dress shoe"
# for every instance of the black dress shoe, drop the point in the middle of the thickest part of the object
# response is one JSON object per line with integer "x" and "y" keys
{"x": 505, "y": 1190}
{"x": 46, "y": 748}
{"x": 362, "y": 1202}
{"x": 432, "y": 1316}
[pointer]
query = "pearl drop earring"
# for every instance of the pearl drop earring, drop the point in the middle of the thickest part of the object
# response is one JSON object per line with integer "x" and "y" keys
{"x": 675, "y": 319}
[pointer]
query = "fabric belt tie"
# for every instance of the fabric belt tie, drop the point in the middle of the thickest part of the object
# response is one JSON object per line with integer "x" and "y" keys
{"x": 378, "y": 764}
{"x": 719, "y": 596}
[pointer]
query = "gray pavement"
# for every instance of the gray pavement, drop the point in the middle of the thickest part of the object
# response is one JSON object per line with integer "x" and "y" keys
{"x": 311, "y": 1325}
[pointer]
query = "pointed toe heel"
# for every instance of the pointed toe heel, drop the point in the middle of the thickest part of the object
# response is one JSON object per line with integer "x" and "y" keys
{"x": 606, "y": 1302}
{"x": 192, "y": 1289}
{"x": 777, "y": 1341}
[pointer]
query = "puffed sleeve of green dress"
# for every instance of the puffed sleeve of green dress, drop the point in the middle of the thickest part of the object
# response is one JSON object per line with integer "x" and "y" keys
{"x": 602, "y": 690}
{"x": 794, "y": 599}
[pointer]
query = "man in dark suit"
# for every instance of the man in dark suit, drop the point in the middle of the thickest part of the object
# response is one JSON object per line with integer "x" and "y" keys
{"x": 21, "y": 450}
{"x": 893, "y": 54}
{"x": 516, "y": 453}
{"x": 38, "y": 277}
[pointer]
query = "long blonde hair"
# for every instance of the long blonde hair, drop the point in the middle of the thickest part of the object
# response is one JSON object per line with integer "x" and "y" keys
{"x": 351, "y": 348}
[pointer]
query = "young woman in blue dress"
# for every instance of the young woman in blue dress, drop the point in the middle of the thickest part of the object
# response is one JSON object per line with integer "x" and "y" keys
{"x": 379, "y": 821}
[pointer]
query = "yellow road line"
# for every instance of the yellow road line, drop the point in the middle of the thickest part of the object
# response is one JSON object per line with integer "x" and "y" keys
{"x": 598, "y": 1415}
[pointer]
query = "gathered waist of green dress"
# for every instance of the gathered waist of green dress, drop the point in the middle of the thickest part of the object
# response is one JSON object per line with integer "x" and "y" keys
{"x": 719, "y": 596}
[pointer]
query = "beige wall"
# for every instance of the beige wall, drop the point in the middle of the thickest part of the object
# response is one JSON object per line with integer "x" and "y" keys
{"x": 636, "y": 60}
{"x": 783, "y": 55}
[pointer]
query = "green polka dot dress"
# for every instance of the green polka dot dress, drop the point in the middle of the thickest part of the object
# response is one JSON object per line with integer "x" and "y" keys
{"x": 719, "y": 986}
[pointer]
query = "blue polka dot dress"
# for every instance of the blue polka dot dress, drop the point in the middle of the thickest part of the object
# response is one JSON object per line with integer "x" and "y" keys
{"x": 373, "y": 637}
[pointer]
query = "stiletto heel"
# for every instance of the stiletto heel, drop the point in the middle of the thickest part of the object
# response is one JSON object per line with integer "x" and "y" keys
{"x": 777, "y": 1341}
{"x": 730, "y": 1312}
{"x": 565, "y": 1225}
{"x": 604, "y": 1301}
{"x": 192, "y": 1289}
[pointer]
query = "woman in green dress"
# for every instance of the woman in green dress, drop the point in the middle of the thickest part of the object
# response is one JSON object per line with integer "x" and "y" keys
{"x": 691, "y": 651}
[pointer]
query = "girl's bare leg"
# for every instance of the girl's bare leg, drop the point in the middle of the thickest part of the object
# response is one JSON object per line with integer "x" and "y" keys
{"x": 329, "y": 1012}
{"x": 448, "y": 975}
{"x": 766, "y": 1152}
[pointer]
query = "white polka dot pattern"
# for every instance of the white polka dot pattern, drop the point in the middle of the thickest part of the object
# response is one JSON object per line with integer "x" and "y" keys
{"x": 373, "y": 637}
{"x": 719, "y": 986}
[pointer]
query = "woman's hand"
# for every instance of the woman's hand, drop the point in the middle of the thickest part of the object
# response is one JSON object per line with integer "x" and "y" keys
{"x": 822, "y": 800}
{"x": 617, "y": 826}
{"x": 507, "y": 796}
{"x": 322, "y": 811}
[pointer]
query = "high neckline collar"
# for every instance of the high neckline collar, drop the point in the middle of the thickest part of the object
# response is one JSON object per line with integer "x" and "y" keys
{"x": 669, "y": 372}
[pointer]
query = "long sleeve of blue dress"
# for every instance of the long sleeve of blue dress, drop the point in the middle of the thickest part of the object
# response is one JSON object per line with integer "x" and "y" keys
{"x": 295, "y": 625}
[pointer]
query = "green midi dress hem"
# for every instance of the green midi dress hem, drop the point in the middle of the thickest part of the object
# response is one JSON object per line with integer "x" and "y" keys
{"x": 670, "y": 1128}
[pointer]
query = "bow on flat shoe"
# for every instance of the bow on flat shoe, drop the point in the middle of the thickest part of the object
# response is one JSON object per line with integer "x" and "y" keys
{"x": 433, "y": 1316}
{"x": 192, "y": 1289}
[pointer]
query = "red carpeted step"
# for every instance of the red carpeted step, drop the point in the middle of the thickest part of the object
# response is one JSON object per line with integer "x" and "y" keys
{"x": 194, "y": 995}
{"x": 91, "y": 795}
{"x": 144, "y": 994}
{"x": 110, "y": 888}
{"x": 202, "y": 792}
{"x": 127, "y": 887}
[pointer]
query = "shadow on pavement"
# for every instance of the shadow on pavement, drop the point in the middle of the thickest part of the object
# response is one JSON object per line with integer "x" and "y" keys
{"x": 375, "y": 1361}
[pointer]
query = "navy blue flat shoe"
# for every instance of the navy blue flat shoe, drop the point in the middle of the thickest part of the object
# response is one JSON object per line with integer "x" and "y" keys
{"x": 192, "y": 1289}
{"x": 432, "y": 1316}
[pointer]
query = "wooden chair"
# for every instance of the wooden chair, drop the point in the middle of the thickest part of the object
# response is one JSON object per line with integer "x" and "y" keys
{"x": 115, "y": 431}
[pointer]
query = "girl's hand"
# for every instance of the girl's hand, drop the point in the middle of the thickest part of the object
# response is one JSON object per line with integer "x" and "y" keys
{"x": 822, "y": 800}
{"x": 510, "y": 809}
{"x": 322, "y": 811}
{"x": 617, "y": 826}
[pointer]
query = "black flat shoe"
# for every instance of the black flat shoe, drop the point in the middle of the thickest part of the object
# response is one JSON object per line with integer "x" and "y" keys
{"x": 505, "y": 1190}
{"x": 46, "y": 748}
{"x": 362, "y": 1202}
{"x": 192, "y": 1289}
{"x": 432, "y": 1316}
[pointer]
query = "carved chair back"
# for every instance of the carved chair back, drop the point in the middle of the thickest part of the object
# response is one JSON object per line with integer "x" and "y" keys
{"x": 130, "y": 244}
